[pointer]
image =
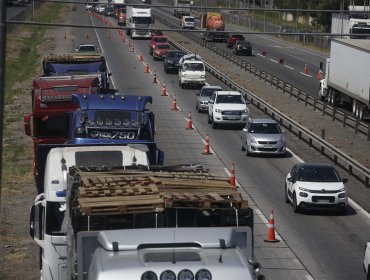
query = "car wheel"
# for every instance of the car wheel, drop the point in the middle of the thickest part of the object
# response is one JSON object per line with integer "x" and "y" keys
{"x": 343, "y": 211}
{"x": 182, "y": 85}
{"x": 209, "y": 119}
{"x": 243, "y": 148}
{"x": 286, "y": 195}
{"x": 296, "y": 208}
{"x": 368, "y": 272}
{"x": 214, "y": 125}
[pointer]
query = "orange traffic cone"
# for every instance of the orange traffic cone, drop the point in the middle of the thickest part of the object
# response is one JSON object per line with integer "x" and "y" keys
{"x": 271, "y": 229}
{"x": 164, "y": 90}
{"x": 319, "y": 75}
{"x": 129, "y": 43}
{"x": 206, "y": 147}
{"x": 155, "y": 77}
{"x": 232, "y": 176}
{"x": 141, "y": 58}
{"x": 133, "y": 48}
{"x": 174, "y": 105}
{"x": 147, "y": 68}
{"x": 190, "y": 123}
{"x": 123, "y": 39}
{"x": 305, "y": 70}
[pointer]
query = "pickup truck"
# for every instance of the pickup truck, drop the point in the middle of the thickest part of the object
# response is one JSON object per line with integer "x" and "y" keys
{"x": 192, "y": 71}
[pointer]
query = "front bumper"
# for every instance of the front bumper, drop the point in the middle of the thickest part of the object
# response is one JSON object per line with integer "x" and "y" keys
{"x": 194, "y": 81}
{"x": 277, "y": 149}
{"x": 321, "y": 200}
{"x": 203, "y": 106}
{"x": 230, "y": 119}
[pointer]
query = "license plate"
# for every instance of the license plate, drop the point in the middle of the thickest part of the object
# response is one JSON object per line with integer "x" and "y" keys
{"x": 267, "y": 146}
{"x": 323, "y": 200}
{"x": 232, "y": 117}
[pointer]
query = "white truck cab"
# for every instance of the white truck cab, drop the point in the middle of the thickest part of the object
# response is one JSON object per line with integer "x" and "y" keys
{"x": 47, "y": 224}
{"x": 138, "y": 18}
{"x": 192, "y": 71}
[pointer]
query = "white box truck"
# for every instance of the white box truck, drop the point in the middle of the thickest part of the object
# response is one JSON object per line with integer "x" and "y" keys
{"x": 347, "y": 76}
{"x": 139, "y": 20}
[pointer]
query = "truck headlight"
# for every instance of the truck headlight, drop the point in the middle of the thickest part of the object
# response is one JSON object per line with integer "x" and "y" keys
{"x": 149, "y": 275}
{"x": 203, "y": 274}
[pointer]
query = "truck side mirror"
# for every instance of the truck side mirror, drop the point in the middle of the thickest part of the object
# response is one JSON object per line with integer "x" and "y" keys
{"x": 36, "y": 221}
{"x": 27, "y": 125}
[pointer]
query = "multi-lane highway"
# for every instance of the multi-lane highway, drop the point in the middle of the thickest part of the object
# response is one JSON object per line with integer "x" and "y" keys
{"x": 326, "y": 245}
{"x": 318, "y": 245}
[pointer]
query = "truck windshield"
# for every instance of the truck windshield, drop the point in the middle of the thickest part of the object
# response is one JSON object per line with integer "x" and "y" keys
{"x": 189, "y": 19}
{"x": 142, "y": 20}
{"x": 49, "y": 126}
{"x": 194, "y": 66}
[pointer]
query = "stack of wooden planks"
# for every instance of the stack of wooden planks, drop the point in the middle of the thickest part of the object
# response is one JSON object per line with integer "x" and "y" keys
{"x": 127, "y": 191}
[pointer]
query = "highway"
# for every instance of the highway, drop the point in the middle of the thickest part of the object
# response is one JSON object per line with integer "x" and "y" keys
{"x": 327, "y": 245}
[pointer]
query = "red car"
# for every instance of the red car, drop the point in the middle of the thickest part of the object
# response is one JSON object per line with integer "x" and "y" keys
{"x": 233, "y": 38}
{"x": 155, "y": 40}
{"x": 160, "y": 51}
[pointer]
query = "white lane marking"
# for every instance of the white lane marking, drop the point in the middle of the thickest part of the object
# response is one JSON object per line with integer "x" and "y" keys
{"x": 260, "y": 55}
{"x": 306, "y": 74}
{"x": 309, "y": 277}
{"x": 273, "y": 60}
{"x": 289, "y": 67}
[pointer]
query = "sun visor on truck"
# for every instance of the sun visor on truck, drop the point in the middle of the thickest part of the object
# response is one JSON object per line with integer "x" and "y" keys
{"x": 111, "y": 102}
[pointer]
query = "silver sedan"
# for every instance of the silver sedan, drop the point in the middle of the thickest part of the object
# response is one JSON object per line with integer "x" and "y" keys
{"x": 205, "y": 93}
{"x": 263, "y": 136}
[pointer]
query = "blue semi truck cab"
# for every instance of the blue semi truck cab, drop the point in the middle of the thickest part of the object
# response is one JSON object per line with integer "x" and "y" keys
{"x": 89, "y": 65}
{"x": 110, "y": 119}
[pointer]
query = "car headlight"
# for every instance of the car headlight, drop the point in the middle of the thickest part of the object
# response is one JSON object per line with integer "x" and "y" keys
{"x": 149, "y": 275}
{"x": 202, "y": 76}
{"x": 303, "y": 194}
{"x": 167, "y": 275}
{"x": 303, "y": 189}
{"x": 253, "y": 140}
{"x": 342, "y": 195}
{"x": 183, "y": 75}
{"x": 342, "y": 190}
{"x": 170, "y": 62}
{"x": 203, "y": 274}
{"x": 245, "y": 111}
{"x": 186, "y": 274}
{"x": 218, "y": 110}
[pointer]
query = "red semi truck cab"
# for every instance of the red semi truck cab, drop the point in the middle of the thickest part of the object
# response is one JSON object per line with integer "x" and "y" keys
{"x": 51, "y": 100}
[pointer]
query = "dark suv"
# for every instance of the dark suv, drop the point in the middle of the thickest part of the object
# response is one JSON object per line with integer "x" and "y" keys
{"x": 233, "y": 38}
{"x": 171, "y": 61}
{"x": 242, "y": 48}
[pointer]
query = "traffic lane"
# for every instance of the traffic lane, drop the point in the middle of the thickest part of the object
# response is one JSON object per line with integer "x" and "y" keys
{"x": 294, "y": 76}
{"x": 278, "y": 49}
{"x": 270, "y": 195}
{"x": 224, "y": 141}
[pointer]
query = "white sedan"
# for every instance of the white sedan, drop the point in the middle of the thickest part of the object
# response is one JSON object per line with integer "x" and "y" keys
{"x": 315, "y": 185}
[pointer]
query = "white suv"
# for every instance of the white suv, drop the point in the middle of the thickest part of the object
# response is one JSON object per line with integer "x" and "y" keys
{"x": 315, "y": 185}
{"x": 192, "y": 72}
{"x": 227, "y": 107}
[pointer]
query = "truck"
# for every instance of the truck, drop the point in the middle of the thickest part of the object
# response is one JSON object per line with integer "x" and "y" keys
{"x": 110, "y": 119}
{"x": 212, "y": 26}
{"x": 138, "y": 22}
{"x": 181, "y": 8}
{"x": 51, "y": 100}
{"x": 346, "y": 80}
{"x": 143, "y": 222}
{"x": 192, "y": 71}
{"x": 78, "y": 64}
{"x": 117, "y": 6}
{"x": 356, "y": 25}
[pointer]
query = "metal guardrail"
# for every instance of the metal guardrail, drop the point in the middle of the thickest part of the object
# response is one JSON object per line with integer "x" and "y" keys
{"x": 26, "y": 14}
{"x": 353, "y": 167}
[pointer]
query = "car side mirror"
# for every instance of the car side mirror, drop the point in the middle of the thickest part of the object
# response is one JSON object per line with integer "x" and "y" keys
{"x": 109, "y": 74}
{"x": 76, "y": 50}
{"x": 284, "y": 131}
{"x": 344, "y": 180}
{"x": 197, "y": 93}
{"x": 211, "y": 102}
{"x": 290, "y": 179}
{"x": 245, "y": 129}
{"x": 247, "y": 101}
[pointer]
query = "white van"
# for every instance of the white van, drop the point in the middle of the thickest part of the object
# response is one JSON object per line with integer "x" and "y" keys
{"x": 187, "y": 22}
{"x": 192, "y": 72}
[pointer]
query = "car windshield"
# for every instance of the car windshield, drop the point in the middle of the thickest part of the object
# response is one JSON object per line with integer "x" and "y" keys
{"x": 317, "y": 174}
{"x": 240, "y": 45}
{"x": 238, "y": 37}
{"x": 194, "y": 66}
{"x": 264, "y": 128}
{"x": 175, "y": 54}
{"x": 160, "y": 40}
{"x": 236, "y": 99}
{"x": 86, "y": 49}
{"x": 189, "y": 19}
{"x": 208, "y": 91}
{"x": 163, "y": 47}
